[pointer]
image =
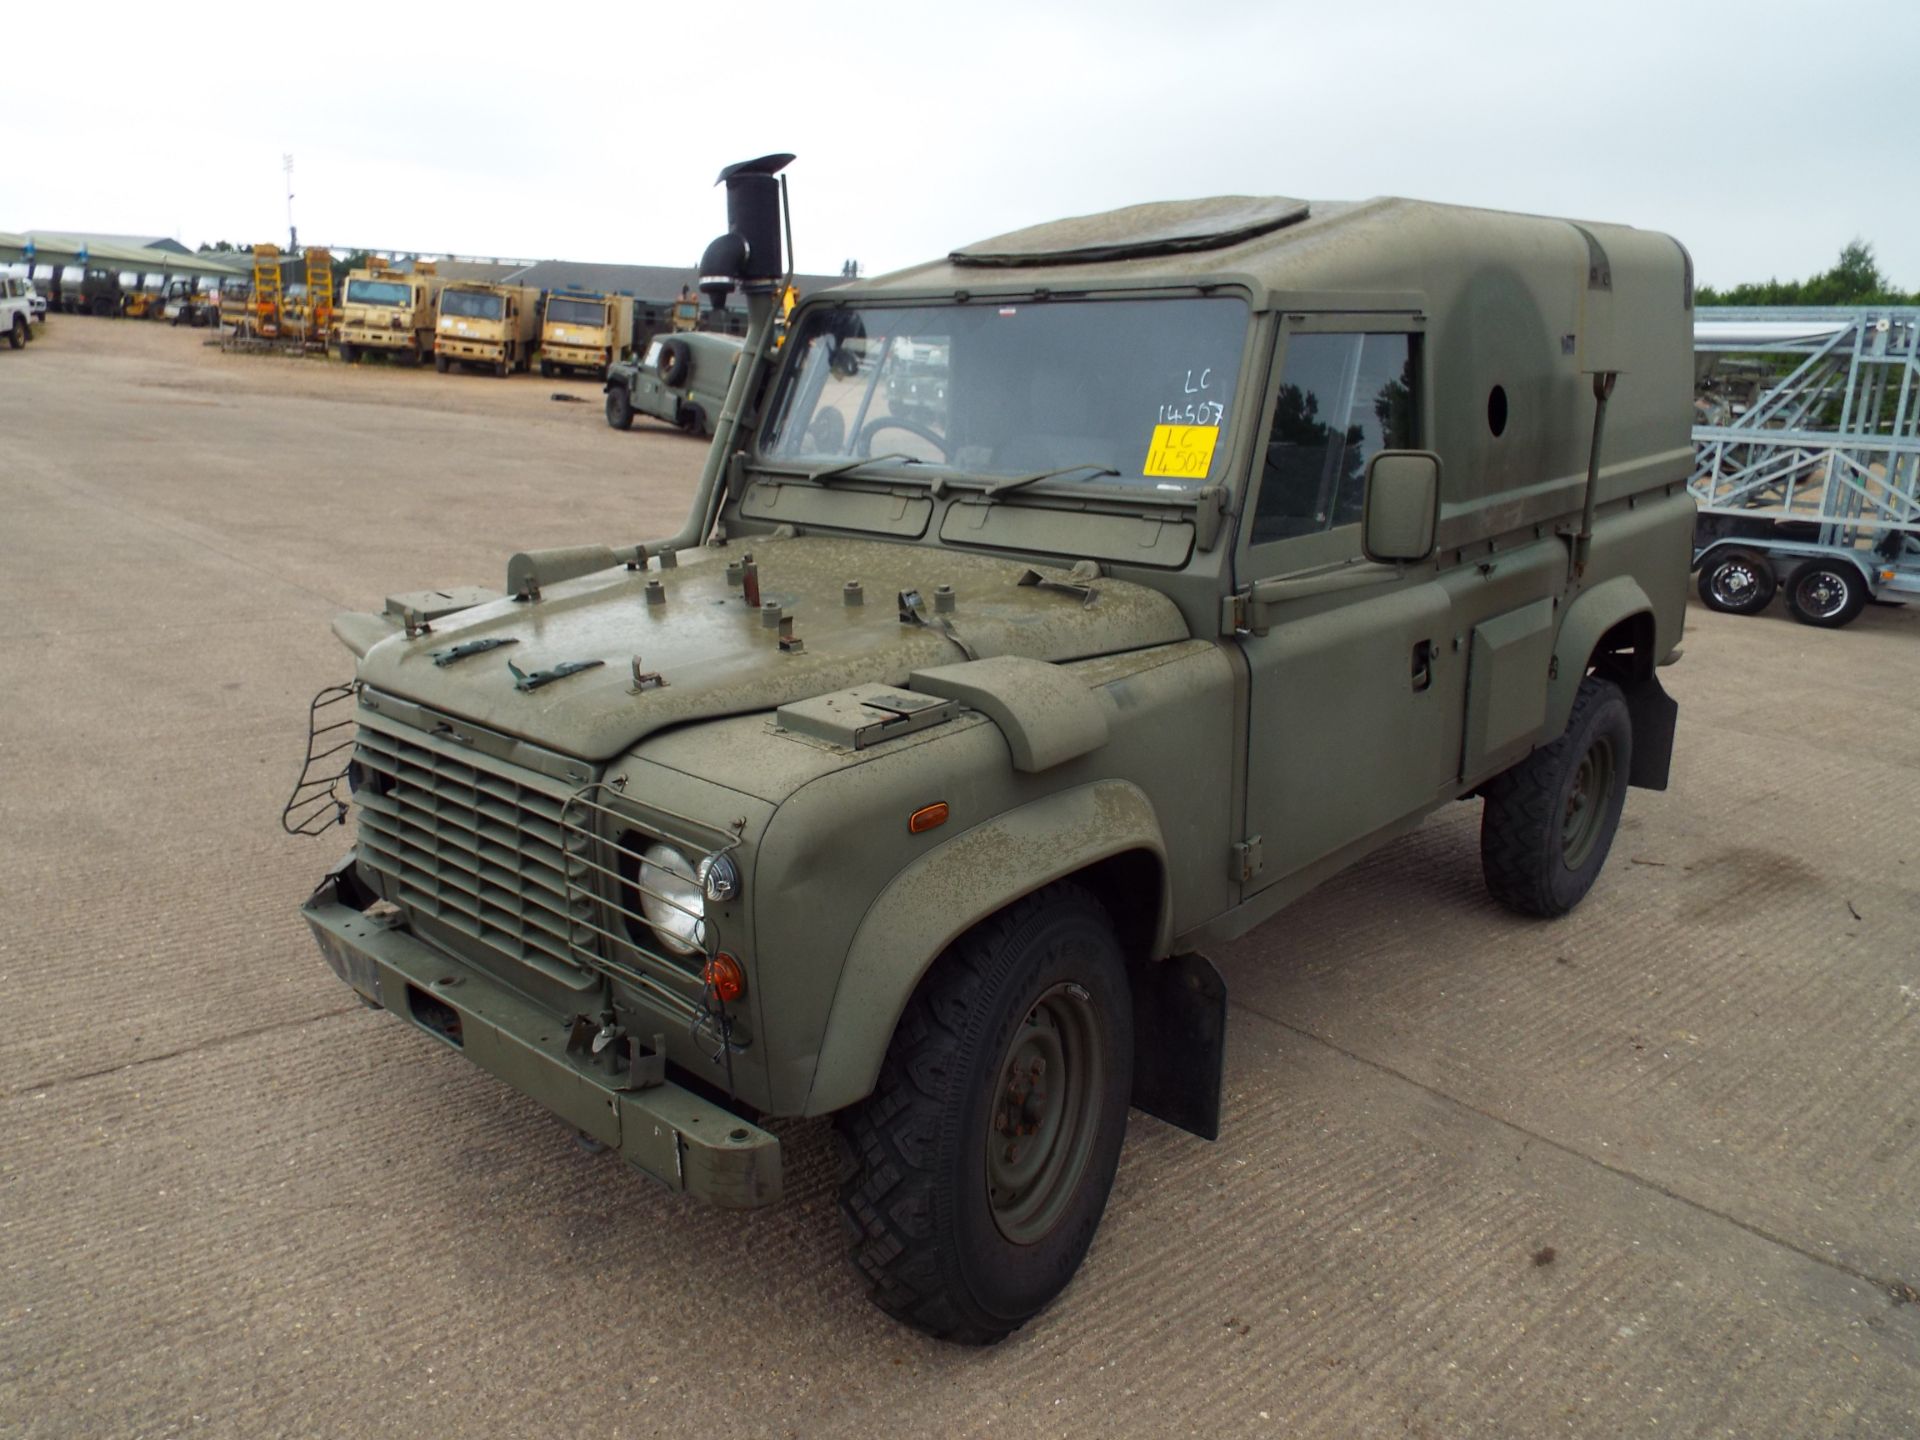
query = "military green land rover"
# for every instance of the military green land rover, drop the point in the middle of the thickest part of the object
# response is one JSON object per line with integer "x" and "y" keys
{"x": 909, "y": 782}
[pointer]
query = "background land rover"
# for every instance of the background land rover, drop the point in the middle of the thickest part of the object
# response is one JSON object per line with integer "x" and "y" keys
{"x": 17, "y": 312}
{"x": 909, "y": 780}
{"x": 681, "y": 379}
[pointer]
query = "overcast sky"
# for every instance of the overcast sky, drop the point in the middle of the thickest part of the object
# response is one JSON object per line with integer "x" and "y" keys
{"x": 1764, "y": 135}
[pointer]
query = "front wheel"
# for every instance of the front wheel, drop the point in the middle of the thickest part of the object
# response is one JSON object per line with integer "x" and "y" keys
{"x": 619, "y": 409}
{"x": 546, "y": 369}
{"x": 442, "y": 364}
{"x": 17, "y": 333}
{"x": 1549, "y": 821}
{"x": 980, "y": 1166}
{"x": 1737, "y": 582}
{"x": 1826, "y": 593}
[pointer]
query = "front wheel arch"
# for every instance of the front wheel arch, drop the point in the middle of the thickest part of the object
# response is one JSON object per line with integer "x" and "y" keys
{"x": 1105, "y": 835}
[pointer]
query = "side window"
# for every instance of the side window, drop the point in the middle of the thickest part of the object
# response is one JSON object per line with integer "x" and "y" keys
{"x": 1342, "y": 398}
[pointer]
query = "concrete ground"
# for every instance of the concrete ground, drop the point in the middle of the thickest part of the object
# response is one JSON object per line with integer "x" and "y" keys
{"x": 1651, "y": 1170}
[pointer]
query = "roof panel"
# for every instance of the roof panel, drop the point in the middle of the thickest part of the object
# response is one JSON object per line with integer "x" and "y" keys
{"x": 1162, "y": 227}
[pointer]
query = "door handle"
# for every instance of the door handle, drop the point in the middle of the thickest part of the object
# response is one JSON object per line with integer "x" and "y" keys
{"x": 1422, "y": 665}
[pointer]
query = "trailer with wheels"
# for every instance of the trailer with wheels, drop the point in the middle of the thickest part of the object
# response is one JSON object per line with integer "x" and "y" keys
{"x": 1807, "y": 460}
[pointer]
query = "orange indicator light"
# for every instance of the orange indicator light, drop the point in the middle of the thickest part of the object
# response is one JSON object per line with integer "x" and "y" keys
{"x": 725, "y": 977}
{"x": 927, "y": 816}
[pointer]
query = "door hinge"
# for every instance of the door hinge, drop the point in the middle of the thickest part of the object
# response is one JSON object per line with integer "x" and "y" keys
{"x": 1234, "y": 610}
{"x": 1248, "y": 860}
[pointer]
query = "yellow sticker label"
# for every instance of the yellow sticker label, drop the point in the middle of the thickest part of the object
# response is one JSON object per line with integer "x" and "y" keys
{"x": 1181, "y": 452}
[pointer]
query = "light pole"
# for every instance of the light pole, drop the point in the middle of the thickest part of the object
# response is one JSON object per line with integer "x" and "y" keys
{"x": 293, "y": 235}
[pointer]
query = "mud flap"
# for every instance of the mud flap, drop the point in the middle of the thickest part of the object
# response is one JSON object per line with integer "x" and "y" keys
{"x": 1179, "y": 1042}
{"x": 1655, "y": 715}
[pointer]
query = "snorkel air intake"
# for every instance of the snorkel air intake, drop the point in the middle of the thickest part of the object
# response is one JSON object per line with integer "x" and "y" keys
{"x": 749, "y": 254}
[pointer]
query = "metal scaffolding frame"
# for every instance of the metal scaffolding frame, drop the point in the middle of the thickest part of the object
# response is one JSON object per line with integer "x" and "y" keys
{"x": 1807, "y": 437}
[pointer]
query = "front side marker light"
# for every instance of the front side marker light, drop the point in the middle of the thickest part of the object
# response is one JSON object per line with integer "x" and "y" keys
{"x": 927, "y": 817}
{"x": 719, "y": 877}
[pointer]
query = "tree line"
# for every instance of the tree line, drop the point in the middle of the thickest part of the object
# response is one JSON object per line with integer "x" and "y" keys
{"x": 1854, "y": 279}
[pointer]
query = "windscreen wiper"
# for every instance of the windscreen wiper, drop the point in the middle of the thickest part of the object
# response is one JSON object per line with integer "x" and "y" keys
{"x": 820, "y": 477}
{"x": 1001, "y": 487}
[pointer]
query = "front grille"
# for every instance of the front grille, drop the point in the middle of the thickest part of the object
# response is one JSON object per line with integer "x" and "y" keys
{"x": 478, "y": 849}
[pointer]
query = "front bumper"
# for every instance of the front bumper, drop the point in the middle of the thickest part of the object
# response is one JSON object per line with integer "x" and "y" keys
{"x": 579, "y": 357}
{"x": 457, "y": 349}
{"x": 375, "y": 338}
{"x": 685, "y": 1142}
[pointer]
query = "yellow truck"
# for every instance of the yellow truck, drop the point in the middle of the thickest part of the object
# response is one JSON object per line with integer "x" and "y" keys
{"x": 585, "y": 330}
{"x": 497, "y": 326}
{"x": 386, "y": 310}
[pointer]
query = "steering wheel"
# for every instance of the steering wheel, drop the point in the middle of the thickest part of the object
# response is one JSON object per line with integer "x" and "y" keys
{"x": 863, "y": 442}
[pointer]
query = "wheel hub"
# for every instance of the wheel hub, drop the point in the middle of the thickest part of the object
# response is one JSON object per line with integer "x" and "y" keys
{"x": 1823, "y": 594}
{"x": 1734, "y": 583}
{"x": 1045, "y": 1113}
{"x": 1584, "y": 815}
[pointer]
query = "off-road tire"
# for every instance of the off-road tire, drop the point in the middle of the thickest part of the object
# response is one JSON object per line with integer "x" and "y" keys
{"x": 926, "y": 1234}
{"x": 1548, "y": 822}
{"x": 619, "y": 409}
{"x": 1826, "y": 593}
{"x": 17, "y": 332}
{"x": 1737, "y": 582}
{"x": 692, "y": 419}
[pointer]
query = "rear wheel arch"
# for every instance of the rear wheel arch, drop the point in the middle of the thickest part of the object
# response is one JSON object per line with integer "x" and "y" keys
{"x": 1612, "y": 631}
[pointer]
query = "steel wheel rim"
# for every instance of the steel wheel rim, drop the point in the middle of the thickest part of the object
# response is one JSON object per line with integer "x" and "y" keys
{"x": 1045, "y": 1115}
{"x": 1587, "y": 800}
{"x": 1734, "y": 583}
{"x": 1822, "y": 594}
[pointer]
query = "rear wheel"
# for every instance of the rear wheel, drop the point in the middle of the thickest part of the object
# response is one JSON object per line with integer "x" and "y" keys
{"x": 1549, "y": 821}
{"x": 1826, "y": 593}
{"x": 980, "y": 1166}
{"x": 1737, "y": 582}
{"x": 619, "y": 409}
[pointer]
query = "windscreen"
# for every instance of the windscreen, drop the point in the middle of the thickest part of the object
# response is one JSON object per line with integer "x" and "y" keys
{"x": 577, "y": 312}
{"x": 470, "y": 304}
{"x": 379, "y": 292}
{"x": 1138, "y": 387}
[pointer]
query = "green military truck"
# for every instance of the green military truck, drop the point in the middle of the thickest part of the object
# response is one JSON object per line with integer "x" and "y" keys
{"x": 909, "y": 782}
{"x": 681, "y": 379}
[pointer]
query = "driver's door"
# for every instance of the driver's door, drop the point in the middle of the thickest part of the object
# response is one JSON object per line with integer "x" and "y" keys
{"x": 1356, "y": 693}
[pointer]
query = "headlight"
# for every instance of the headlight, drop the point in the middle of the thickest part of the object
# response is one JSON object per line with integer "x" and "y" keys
{"x": 671, "y": 899}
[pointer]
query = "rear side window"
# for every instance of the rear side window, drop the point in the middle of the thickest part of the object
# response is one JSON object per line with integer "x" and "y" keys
{"x": 1342, "y": 399}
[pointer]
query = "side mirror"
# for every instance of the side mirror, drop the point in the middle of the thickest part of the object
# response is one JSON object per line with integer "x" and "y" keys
{"x": 1402, "y": 505}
